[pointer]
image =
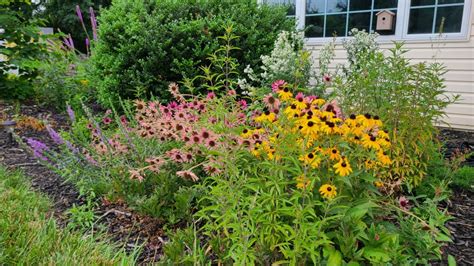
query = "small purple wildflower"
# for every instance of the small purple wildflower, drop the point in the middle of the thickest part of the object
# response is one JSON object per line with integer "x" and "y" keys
{"x": 54, "y": 135}
{"x": 79, "y": 13}
{"x": 38, "y": 148}
{"x": 71, "y": 114}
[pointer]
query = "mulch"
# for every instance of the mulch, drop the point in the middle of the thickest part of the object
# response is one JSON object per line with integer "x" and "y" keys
{"x": 130, "y": 229}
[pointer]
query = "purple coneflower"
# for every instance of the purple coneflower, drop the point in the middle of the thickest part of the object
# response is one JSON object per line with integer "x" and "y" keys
{"x": 187, "y": 175}
{"x": 277, "y": 85}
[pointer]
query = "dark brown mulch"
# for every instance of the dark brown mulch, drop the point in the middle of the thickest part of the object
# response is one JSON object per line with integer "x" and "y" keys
{"x": 131, "y": 229}
{"x": 457, "y": 141}
{"x": 461, "y": 207}
{"x": 125, "y": 227}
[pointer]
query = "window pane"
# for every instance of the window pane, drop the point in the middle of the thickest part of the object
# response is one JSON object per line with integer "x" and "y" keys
{"x": 384, "y": 32}
{"x": 315, "y": 25}
{"x": 360, "y": 21}
{"x": 440, "y": 2}
{"x": 335, "y": 25}
{"x": 379, "y": 4}
{"x": 315, "y": 6}
{"x": 422, "y": 2}
{"x": 452, "y": 19}
{"x": 336, "y": 6}
{"x": 421, "y": 20}
{"x": 360, "y": 5}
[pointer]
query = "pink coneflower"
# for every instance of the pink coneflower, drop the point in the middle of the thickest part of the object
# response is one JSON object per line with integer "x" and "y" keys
{"x": 210, "y": 95}
{"x": 211, "y": 169}
{"x": 90, "y": 126}
{"x": 173, "y": 88}
{"x": 205, "y": 134}
{"x": 211, "y": 143}
{"x": 299, "y": 97}
{"x": 107, "y": 120}
{"x": 404, "y": 203}
{"x": 327, "y": 79}
{"x": 188, "y": 175}
{"x": 243, "y": 104}
{"x": 334, "y": 108}
{"x": 271, "y": 102}
{"x": 278, "y": 84}
{"x": 212, "y": 120}
{"x": 134, "y": 174}
{"x": 231, "y": 92}
{"x": 123, "y": 120}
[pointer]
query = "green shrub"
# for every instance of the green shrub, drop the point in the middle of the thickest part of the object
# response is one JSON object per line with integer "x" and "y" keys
{"x": 21, "y": 52}
{"x": 143, "y": 45}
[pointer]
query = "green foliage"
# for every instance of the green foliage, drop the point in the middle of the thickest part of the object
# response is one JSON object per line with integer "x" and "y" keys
{"x": 399, "y": 92}
{"x": 62, "y": 78}
{"x": 29, "y": 237}
{"x": 83, "y": 216}
{"x": 464, "y": 178}
{"x": 145, "y": 45}
{"x": 21, "y": 52}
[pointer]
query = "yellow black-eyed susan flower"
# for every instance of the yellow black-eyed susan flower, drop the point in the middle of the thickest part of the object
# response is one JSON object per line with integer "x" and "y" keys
{"x": 302, "y": 182}
{"x": 285, "y": 94}
{"x": 343, "y": 168}
{"x": 328, "y": 191}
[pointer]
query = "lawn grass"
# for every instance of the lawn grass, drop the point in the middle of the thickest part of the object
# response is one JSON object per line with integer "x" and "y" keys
{"x": 29, "y": 237}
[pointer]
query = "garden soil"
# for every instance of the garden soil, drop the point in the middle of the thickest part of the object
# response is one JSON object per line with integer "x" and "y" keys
{"x": 130, "y": 229}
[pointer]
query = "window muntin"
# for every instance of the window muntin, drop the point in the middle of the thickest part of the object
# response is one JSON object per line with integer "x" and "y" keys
{"x": 435, "y": 16}
{"x": 327, "y": 18}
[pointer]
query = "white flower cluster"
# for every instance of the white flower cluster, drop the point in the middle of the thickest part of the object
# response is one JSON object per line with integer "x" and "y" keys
{"x": 362, "y": 42}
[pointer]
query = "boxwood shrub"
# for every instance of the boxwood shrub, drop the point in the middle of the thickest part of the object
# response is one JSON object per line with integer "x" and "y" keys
{"x": 143, "y": 45}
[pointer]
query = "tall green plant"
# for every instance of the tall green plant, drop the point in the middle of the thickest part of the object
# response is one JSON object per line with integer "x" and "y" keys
{"x": 409, "y": 97}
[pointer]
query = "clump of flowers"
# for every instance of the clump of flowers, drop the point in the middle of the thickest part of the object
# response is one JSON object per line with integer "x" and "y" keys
{"x": 329, "y": 145}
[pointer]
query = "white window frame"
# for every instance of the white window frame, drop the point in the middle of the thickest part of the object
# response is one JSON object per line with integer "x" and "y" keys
{"x": 401, "y": 30}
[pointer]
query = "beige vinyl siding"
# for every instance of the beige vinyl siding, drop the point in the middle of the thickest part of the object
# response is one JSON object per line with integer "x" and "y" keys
{"x": 458, "y": 58}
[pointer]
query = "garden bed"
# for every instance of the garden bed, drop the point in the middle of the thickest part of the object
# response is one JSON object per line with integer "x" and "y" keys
{"x": 131, "y": 229}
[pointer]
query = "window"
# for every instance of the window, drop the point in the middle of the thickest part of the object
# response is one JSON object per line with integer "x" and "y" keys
{"x": 413, "y": 19}
{"x": 326, "y": 18}
{"x": 435, "y": 16}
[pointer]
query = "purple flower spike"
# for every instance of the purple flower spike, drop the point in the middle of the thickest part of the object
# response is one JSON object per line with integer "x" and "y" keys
{"x": 93, "y": 23}
{"x": 71, "y": 114}
{"x": 54, "y": 135}
{"x": 71, "y": 42}
{"x": 79, "y": 13}
{"x": 87, "y": 42}
{"x": 38, "y": 148}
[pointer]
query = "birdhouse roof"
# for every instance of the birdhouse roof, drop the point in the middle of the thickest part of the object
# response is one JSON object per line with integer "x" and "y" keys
{"x": 385, "y": 11}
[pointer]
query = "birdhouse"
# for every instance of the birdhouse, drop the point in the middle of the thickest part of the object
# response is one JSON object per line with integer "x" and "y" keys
{"x": 385, "y": 20}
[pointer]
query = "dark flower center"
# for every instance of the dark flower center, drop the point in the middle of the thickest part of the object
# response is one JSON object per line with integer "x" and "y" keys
{"x": 311, "y": 155}
{"x": 352, "y": 116}
{"x": 343, "y": 164}
{"x": 334, "y": 151}
{"x": 368, "y": 116}
{"x": 329, "y": 189}
{"x": 293, "y": 106}
{"x": 310, "y": 124}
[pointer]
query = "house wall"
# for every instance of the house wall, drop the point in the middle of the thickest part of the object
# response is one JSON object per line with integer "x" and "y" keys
{"x": 456, "y": 55}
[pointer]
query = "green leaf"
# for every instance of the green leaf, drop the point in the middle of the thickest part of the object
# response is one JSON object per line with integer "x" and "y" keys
{"x": 335, "y": 258}
{"x": 451, "y": 260}
{"x": 376, "y": 254}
